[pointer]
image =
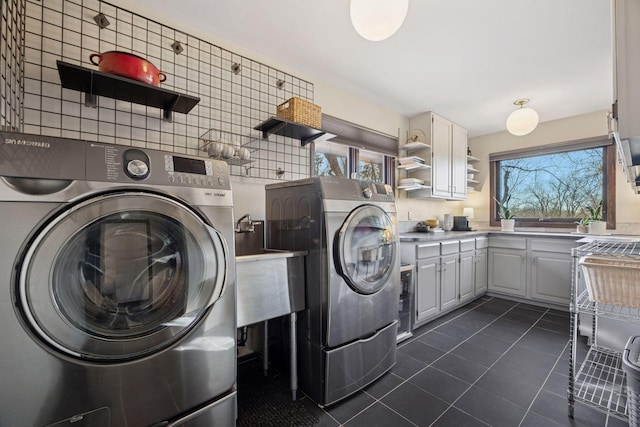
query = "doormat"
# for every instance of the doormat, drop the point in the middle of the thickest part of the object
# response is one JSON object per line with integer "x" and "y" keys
{"x": 266, "y": 401}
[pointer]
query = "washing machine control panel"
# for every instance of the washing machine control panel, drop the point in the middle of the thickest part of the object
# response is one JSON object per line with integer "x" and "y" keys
{"x": 124, "y": 164}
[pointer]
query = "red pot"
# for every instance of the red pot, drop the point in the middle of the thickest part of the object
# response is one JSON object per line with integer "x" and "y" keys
{"x": 128, "y": 65}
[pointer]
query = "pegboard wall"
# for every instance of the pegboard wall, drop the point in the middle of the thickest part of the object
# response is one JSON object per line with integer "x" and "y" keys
{"x": 236, "y": 93}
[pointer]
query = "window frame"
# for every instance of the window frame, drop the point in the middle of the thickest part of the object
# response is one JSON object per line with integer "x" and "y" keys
{"x": 609, "y": 186}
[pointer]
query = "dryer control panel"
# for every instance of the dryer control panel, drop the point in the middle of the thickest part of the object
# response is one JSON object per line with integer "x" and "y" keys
{"x": 352, "y": 189}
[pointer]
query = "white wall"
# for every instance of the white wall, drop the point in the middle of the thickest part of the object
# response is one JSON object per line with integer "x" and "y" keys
{"x": 248, "y": 193}
{"x": 572, "y": 128}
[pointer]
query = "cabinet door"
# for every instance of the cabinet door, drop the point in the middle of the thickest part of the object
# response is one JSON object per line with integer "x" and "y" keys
{"x": 449, "y": 281}
{"x": 441, "y": 161}
{"x": 427, "y": 288}
{"x": 551, "y": 277}
{"x": 458, "y": 162}
{"x": 507, "y": 271}
{"x": 467, "y": 276}
{"x": 481, "y": 276}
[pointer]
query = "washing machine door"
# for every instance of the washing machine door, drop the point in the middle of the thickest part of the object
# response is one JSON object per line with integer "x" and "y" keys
{"x": 120, "y": 276}
{"x": 367, "y": 247}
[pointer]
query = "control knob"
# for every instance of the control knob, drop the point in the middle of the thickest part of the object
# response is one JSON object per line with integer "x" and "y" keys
{"x": 367, "y": 193}
{"x": 137, "y": 169}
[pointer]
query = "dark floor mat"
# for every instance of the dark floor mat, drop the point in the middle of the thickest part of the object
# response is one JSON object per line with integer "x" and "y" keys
{"x": 266, "y": 401}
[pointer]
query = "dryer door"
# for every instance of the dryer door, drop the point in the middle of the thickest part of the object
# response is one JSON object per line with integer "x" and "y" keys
{"x": 120, "y": 276}
{"x": 367, "y": 249}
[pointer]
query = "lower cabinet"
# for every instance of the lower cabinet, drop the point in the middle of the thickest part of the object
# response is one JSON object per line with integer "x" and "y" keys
{"x": 427, "y": 288}
{"x": 481, "y": 272}
{"x": 449, "y": 282}
{"x": 449, "y": 273}
{"x": 550, "y": 266}
{"x": 508, "y": 271}
{"x": 534, "y": 268}
{"x": 467, "y": 276}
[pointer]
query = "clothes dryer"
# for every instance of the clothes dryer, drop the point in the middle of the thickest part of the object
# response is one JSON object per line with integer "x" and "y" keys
{"x": 347, "y": 334}
{"x": 117, "y": 286}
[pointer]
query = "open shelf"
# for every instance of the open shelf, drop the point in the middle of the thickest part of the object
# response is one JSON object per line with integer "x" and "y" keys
{"x": 471, "y": 169}
{"x": 278, "y": 126}
{"x": 412, "y": 166}
{"x": 414, "y": 187}
{"x": 96, "y": 83}
{"x": 414, "y": 145}
{"x": 471, "y": 159}
{"x": 601, "y": 382}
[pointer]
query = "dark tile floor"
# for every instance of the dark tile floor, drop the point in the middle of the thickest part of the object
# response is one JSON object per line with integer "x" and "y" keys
{"x": 493, "y": 362}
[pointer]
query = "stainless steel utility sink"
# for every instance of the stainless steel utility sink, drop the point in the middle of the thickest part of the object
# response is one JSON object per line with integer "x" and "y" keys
{"x": 270, "y": 284}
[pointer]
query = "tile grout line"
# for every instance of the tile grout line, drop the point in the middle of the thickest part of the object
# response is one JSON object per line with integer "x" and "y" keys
{"x": 431, "y": 363}
{"x": 494, "y": 363}
{"x": 543, "y": 383}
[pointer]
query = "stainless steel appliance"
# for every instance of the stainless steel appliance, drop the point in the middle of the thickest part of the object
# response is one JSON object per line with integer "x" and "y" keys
{"x": 117, "y": 286}
{"x": 461, "y": 223}
{"x": 347, "y": 334}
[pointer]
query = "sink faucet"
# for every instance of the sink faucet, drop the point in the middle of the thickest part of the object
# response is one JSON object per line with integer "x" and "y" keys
{"x": 249, "y": 229}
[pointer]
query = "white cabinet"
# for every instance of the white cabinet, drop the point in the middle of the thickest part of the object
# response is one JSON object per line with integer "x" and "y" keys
{"x": 472, "y": 180}
{"x": 550, "y": 277}
{"x": 458, "y": 162}
{"x": 427, "y": 288}
{"x": 449, "y": 274}
{"x": 448, "y": 143}
{"x": 467, "y": 270}
{"x": 508, "y": 265}
{"x": 481, "y": 270}
{"x": 536, "y": 268}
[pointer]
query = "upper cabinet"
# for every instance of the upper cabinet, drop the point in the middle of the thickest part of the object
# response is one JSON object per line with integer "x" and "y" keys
{"x": 448, "y": 143}
{"x": 626, "y": 86}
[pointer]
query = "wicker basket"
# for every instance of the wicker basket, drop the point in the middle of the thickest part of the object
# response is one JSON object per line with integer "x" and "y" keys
{"x": 612, "y": 280}
{"x": 300, "y": 111}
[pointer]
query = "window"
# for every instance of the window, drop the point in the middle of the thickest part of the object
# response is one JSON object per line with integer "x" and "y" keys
{"x": 330, "y": 159}
{"x": 370, "y": 166}
{"x": 352, "y": 151}
{"x": 553, "y": 185}
{"x": 334, "y": 159}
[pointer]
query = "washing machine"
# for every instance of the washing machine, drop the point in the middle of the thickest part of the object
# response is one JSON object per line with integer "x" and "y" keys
{"x": 347, "y": 334}
{"x": 117, "y": 286}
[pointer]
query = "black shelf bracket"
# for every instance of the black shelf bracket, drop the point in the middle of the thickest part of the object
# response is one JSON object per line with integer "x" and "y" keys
{"x": 96, "y": 83}
{"x": 278, "y": 126}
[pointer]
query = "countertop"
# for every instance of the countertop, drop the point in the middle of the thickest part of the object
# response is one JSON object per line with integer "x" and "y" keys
{"x": 446, "y": 235}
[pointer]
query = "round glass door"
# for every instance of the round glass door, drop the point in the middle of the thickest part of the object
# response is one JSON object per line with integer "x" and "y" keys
{"x": 367, "y": 249}
{"x": 120, "y": 276}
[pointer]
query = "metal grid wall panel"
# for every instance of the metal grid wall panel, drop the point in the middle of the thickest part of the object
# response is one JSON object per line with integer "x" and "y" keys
{"x": 12, "y": 33}
{"x": 236, "y": 93}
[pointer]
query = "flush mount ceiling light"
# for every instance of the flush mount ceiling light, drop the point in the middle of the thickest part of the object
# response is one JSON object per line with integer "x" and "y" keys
{"x": 377, "y": 20}
{"x": 523, "y": 120}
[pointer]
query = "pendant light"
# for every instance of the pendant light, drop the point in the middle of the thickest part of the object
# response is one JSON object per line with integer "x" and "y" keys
{"x": 376, "y": 20}
{"x": 523, "y": 120}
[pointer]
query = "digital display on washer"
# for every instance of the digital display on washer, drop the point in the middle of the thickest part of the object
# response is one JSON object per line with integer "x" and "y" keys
{"x": 380, "y": 188}
{"x": 183, "y": 164}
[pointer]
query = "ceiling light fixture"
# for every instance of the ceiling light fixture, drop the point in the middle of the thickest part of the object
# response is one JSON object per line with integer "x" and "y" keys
{"x": 377, "y": 20}
{"x": 523, "y": 120}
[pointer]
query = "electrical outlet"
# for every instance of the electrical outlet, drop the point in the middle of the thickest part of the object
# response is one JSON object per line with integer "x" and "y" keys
{"x": 409, "y": 215}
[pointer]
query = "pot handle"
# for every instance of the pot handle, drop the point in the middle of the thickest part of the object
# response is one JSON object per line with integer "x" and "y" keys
{"x": 95, "y": 55}
{"x": 162, "y": 76}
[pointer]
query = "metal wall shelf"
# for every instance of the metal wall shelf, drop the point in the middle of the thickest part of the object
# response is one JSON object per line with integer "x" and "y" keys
{"x": 96, "y": 83}
{"x": 278, "y": 126}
